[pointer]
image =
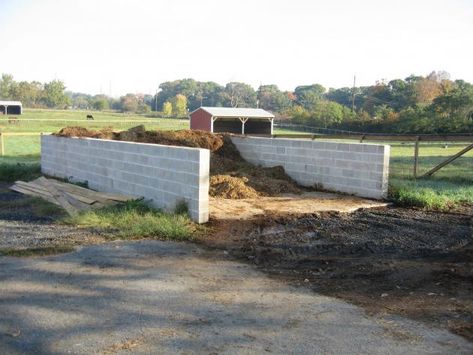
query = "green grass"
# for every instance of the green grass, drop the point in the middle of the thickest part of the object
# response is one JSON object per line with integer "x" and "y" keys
{"x": 10, "y": 172}
{"x": 34, "y": 121}
{"x": 451, "y": 186}
{"x": 135, "y": 219}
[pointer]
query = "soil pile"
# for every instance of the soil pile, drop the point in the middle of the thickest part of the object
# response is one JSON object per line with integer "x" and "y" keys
{"x": 231, "y": 176}
{"x": 84, "y": 132}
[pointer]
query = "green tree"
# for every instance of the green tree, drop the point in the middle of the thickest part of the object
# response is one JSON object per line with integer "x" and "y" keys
{"x": 343, "y": 96}
{"x": 7, "y": 87}
{"x": 327, "y": 113}
{"x": 100, "y": 104}
{"x": 239, "y": 95}
{"x": 54, "y": 95}
{"x": 28, "y": 93}
{"x": 143, "y": 107}
{"x": 271, "y": 98}
{"x": 179, "y": 105}
{"x": 129, "y": 103}
{"x": 308, "y": 95}
{"x": 167, "y": 109}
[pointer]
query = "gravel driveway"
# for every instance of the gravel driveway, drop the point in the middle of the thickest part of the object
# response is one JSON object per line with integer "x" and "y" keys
{"x": 21, "y": 227}
{"x": 166, "y": 297}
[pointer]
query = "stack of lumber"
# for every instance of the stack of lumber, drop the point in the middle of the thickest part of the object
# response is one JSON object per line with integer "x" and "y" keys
{"x": 71, "y": 197}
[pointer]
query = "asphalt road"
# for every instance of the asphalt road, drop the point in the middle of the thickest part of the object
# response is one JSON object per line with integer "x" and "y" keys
{"x": 165, "y": 297}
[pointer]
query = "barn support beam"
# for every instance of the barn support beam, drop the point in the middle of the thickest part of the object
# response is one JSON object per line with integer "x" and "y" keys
{"x": 271, "y": 121}
{"x": 212, "y": 120}
{"x": 243, "y": 121}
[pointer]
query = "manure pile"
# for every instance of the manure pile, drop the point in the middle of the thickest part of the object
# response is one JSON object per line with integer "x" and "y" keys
{"x": 230, "y": 175}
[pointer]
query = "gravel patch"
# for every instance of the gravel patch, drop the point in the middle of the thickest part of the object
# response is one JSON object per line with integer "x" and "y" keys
{"x": 22, "y": 235}
{"x": 22, "y": 228}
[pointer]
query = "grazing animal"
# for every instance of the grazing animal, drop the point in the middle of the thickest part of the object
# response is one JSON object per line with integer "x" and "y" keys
{"x": 90, "y": 117}
{"x": 13, "y": 121}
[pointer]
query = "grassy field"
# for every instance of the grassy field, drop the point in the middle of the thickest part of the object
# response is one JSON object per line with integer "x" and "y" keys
{"x": 449, "y": 187}
{"x": 452, "y": 185}
{"x": 53, "y": 120}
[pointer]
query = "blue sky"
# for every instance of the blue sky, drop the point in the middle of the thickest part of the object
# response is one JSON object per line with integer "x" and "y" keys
{"x": 124, "y": 46}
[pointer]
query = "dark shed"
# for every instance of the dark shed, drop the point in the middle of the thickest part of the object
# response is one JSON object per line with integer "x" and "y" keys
{"x": 10, "y": 108}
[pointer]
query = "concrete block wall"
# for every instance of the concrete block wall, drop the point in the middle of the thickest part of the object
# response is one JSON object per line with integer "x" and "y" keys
{"x": 355, "y": 168}
{"x": 163, "y": 174}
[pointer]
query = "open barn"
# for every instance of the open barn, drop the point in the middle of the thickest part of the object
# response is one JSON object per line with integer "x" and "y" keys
{"x": 10, "y": 108}
{"x": 232, "y": 120}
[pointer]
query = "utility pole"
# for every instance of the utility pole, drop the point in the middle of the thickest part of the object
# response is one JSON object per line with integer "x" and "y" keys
{"x": 156, "y": 101}
{"x": 353, "y": 95}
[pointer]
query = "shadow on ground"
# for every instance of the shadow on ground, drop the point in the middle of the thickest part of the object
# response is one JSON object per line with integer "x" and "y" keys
{"x": 164, "y": 297}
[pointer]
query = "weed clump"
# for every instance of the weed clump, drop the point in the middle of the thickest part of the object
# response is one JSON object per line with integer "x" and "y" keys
{"x": 134, "y": 219}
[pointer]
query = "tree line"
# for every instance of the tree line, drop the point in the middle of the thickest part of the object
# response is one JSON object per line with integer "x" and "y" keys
{"x": 416, "y": 104}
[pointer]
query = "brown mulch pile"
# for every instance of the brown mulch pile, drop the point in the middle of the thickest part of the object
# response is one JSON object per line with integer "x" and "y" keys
{"x": 231, "y": 176}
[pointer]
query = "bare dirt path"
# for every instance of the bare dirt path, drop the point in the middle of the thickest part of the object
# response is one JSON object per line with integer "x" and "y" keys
{"x": 287, "y": 204}
{"x": 165, "y": 297}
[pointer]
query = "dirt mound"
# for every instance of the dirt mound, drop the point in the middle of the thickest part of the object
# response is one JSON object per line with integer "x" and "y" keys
{"x": 227, "y": 186}
{"x": 231, "y": 176}
{"x": 84, "y": 132}
{"x": 185, "y": 138}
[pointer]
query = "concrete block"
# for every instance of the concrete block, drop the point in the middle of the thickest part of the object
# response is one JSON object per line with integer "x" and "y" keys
{"x": 370, "y": 148}
{"x": 355, "y": 147}
{"x": 132, "y": 168}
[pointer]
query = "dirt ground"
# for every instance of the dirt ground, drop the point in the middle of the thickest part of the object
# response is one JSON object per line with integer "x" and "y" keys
{"x": 163, "y": 297}
{"x": 388, "y": 260}
{"x": 287, "y": 204}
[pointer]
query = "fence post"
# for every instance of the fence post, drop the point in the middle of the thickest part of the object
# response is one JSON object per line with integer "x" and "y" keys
{"x": 2, "y": 144}
{"x": 416, "y": 157}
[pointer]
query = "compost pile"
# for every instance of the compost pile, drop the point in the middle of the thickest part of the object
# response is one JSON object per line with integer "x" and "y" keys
{"x": 230, "y": 175}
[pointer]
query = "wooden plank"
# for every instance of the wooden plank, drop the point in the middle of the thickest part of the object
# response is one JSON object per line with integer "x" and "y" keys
{"x": 39, "y": 193}
{"x": 30, "y": 193}
{"x": 91, "y": 194}
{"x": 448, "y": 161}
{"x": 58, "y": 195}
{"x": 76, "y": 190}
{"x": 103, "y": 196}
{"x": 80, "y": 198}
{"x": 116, "y": 197}
{"x": 75, "y": 195}
{"x": 32, "y": 186}
{"x": 77, "y": 204}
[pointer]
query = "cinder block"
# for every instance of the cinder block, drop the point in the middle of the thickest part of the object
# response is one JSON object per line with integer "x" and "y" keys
{"x": 353, "y": 147}
{"x": 370, "y": 148}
